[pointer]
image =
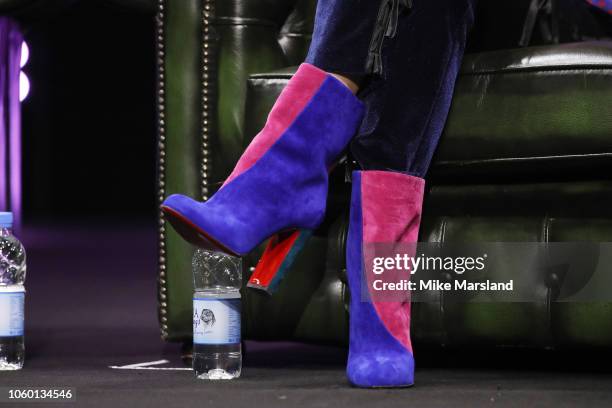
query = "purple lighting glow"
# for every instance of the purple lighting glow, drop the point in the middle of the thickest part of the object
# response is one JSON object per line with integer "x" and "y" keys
{"x": 24, "y": 81}
{"x": 24, "y": 86}
{"x": 11, "y": 45}
{"x": 25, "y": 54}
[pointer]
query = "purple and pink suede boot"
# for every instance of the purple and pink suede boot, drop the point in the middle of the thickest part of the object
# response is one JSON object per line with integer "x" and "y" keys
{"x": 605, "y": 5}
{"x": 280, "y": 182}
{"x": 385, "y": 212}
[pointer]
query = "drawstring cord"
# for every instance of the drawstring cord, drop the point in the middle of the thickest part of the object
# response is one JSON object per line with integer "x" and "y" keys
{"x": 550, "y": 29}
{"x": 385, "y": 27}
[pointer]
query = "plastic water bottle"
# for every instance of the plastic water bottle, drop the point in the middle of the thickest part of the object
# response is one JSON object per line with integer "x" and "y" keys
{"x": 217, "y": 278}
{"x": 12, "y": 296}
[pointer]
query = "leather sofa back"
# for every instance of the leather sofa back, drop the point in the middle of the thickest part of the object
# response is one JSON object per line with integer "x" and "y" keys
{"x": 208, "y": 49}
{"x": 537, "y": 113}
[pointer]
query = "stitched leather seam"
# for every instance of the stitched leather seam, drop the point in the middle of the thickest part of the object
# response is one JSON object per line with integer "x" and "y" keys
{"x": 291, "y": 34}
{"x": 242, "y": 21}
{"x": 602, "y": 68}
{"x": 523, "y": 159}
{"x": 537, "y": 68}
{"x": 162, "y": 289}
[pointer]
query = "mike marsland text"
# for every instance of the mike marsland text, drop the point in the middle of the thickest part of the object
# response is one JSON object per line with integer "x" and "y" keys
{"x": 435, "y": 284}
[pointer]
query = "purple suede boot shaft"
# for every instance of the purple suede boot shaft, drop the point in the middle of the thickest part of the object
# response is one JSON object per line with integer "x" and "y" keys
{"x": 385, "y": 210}
{"x": 281, "y": 180}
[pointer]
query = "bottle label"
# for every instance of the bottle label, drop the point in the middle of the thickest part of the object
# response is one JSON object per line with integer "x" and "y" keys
{"x": 216, "y": 321}
{"x": 11, "y": 313}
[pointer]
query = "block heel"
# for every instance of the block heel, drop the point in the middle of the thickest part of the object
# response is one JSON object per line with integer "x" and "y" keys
{"x": 277, "y": 259}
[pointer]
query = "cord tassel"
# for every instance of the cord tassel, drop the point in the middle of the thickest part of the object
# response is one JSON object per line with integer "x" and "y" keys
{"x": 385, "y": 27}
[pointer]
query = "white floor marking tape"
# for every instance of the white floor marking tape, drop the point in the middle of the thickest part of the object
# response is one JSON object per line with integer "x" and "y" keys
{"x": 147, "y": 366}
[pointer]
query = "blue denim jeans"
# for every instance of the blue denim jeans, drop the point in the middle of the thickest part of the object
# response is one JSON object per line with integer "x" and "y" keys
{"x": 406, "y": 55}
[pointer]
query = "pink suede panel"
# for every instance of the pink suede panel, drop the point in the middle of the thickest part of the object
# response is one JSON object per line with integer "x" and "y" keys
{"x": 294, "y": 98}
{"x": 391, "y": 210}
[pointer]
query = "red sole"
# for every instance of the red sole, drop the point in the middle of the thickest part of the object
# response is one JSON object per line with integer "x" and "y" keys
{"x": 192, "y": 233}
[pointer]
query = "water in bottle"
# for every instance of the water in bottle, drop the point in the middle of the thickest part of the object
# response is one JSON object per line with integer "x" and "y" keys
{"x": 217, "y": 351}
{"x": 12, "y": 295}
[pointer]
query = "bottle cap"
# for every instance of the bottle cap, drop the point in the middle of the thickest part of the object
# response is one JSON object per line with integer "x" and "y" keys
{"x": 6, "y": 219}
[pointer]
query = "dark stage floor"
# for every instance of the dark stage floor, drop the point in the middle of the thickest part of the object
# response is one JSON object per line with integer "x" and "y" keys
{"x": 91, "y": 305}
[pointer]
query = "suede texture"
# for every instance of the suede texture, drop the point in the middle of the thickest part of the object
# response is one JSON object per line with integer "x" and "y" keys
{"x": 294, "y": 98}
{"x": 287, "y": 186}
{"x": 605, "y": 5}
{"x": 378, "y": 357}
{"x": 296, "y": 248}
{"x": 391, "y": 207}
{"x": 408, "y": 103}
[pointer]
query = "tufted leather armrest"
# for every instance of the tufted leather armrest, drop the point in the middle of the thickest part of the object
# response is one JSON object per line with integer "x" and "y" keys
{"x": 206, "y": 51}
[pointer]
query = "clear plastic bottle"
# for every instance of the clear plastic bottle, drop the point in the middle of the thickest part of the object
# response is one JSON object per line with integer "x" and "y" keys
{"x": 217, "y": 278}
{"x": 12, "y": 296}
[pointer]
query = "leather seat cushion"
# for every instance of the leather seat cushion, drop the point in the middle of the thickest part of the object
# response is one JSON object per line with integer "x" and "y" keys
{"x": 541, "y": 112}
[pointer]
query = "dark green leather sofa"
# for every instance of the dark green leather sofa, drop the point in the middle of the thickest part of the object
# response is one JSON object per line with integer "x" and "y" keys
{"x": 525, "y": 157}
